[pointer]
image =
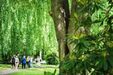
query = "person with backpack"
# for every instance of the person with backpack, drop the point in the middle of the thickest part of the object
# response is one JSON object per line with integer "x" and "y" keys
{"x": 23, "y": 62}
{"x": 13, "y": 62}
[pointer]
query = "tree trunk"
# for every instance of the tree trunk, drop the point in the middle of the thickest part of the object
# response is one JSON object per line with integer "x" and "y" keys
{"x": 59, "y": 21}
{"x": 60, "y": 15}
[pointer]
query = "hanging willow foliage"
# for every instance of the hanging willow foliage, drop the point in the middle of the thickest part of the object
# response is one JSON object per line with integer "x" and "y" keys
{"x": 26, "y": 27}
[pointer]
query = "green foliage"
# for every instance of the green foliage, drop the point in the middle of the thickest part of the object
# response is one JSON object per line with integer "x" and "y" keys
{"x": 26, "y": 28}
{"x": 52, "y": 59}
{"x": 49, "y": 73}
{"x": 93, "y": 42}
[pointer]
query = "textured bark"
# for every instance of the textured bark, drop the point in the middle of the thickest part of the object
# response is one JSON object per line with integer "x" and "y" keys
{"x": 59, "y": 21}
{"x": 60, "y": 15}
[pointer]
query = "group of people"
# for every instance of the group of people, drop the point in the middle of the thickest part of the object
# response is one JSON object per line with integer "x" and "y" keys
{"x": 24, "y": 61}
{"x": 27, "y": 61}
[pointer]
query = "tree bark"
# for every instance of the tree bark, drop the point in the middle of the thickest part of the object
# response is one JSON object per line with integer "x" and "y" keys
{"x": 60, "y": 15}
{"x": 59, "y": 21}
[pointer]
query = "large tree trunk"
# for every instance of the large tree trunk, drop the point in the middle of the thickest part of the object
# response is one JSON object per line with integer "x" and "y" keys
{"x": 60, "y": 15}
{"x": 64, "y": 25}
{"x": 59, "y": 21}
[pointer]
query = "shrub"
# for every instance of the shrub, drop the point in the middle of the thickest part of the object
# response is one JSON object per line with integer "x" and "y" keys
{"x": 52, "y": 59}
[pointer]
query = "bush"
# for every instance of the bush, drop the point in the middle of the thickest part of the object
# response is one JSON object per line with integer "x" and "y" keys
{"x": 52, "y": 59}
{"x": 90, "y": 57}
{"x": 93, "y": 50}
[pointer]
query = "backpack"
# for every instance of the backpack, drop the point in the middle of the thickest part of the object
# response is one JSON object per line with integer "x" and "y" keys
{"x": 13, "y": 60}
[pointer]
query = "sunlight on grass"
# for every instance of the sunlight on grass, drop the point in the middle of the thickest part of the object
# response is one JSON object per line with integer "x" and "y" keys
{"x": 35, "y": 71}
{"x": 39, "y": 70}
{"x": 4, "y": 66}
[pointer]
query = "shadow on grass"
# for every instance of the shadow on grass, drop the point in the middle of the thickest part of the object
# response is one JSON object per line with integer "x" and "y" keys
{"x": 49, "y": 73}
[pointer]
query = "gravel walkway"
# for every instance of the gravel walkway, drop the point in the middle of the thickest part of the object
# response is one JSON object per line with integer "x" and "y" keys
{"x": 7, "y": 72}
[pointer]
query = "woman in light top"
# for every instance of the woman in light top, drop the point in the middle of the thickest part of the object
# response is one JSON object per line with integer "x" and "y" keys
{"x": 16, "y": 62}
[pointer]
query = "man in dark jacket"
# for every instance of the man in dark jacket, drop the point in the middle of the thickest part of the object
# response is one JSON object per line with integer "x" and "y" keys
{"x": 13, "y": 62}
{"x": 23, "y": 62}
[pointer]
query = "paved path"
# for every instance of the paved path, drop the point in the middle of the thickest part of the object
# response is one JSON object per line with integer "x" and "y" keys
{"x": 7, "y": 72}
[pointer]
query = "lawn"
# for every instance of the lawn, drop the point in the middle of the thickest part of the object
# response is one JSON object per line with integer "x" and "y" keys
{"x": 4, "y": 66}
{"x": 49, "y": 69}
{"x": 36, "y": 71}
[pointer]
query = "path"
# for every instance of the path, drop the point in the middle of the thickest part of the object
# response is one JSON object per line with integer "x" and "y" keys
{"x": 7, "y": 72}
{"x": 45, "y": 67}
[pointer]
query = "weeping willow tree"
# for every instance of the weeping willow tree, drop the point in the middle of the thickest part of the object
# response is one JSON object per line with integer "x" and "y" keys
{"x": 26, "y": 28}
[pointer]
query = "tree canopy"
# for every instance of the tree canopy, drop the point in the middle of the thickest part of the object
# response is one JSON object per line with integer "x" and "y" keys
{"x": 26, "y": 27}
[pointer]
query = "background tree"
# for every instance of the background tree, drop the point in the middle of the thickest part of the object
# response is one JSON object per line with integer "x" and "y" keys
{"x": 26, "y": 28}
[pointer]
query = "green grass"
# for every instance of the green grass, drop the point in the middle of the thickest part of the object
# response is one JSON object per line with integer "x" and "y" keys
{"x": 49, "y": 69}
{"x": 35, "y": 71}
{"x": 4, "y": 66}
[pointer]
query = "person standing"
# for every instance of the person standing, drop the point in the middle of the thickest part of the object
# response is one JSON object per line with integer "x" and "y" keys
{"x": 13, "y": 62}
{"x": 23, "y": 62}
{"x": 31, "y": 60}
{"x": 16, "y": 62}
{"x": 28, "y": 61}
